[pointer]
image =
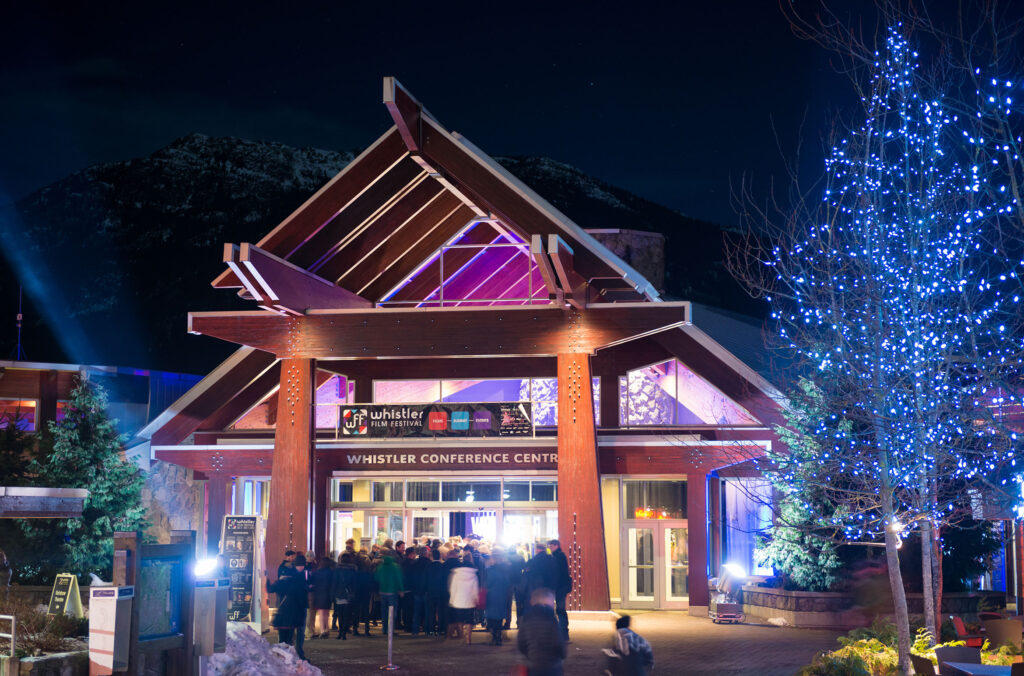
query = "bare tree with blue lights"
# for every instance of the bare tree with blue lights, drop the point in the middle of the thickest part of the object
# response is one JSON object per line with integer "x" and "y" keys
{"x": 898, "y": 300}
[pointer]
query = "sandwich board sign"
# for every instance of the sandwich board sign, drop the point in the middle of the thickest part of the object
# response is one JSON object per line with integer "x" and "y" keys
{"x": 65, "y": 599}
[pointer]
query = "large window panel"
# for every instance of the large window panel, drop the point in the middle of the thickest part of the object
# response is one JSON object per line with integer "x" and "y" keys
{"x": 669, "y": 393}
{"x": 476, "y": 391}
{"x": 406, "y": 391}
{"x": 654, "y": 500}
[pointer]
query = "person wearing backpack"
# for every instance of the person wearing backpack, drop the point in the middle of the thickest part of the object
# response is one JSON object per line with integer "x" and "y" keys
{"x": 631, "y": 655}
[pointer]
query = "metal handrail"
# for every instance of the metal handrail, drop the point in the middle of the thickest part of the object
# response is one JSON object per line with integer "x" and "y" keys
{"x": 14, "y": 631}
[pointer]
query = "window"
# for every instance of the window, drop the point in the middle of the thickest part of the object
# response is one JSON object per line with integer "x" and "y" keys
{"x": 517, "y": 491}
{"x": 470, "y": 491}
{"x": 424, "y": 491}
{"x": 344, "y": 493}
{"x": 22, "y": 412}
{"x": 543, "y": 491}
{"x": 387, "y": 491}
{"x": 654, "y": 500}
{"x": 669, "y": 393}
{"x": 406, "y": 391}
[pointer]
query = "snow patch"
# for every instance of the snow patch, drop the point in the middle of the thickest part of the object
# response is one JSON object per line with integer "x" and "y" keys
{"x": 249, "y": 654}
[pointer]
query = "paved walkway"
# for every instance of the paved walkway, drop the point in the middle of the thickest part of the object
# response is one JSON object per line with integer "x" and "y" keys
{"x": 682, "y": 645}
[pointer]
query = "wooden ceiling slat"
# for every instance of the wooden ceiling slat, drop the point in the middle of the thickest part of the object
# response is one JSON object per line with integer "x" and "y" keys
{"x": 402, "y": 240}
{"x": 366, "y": 243}
{"x": 393, "y": 271}
{"x": 237, "y": 406}
{"x": 429, "y": 278}
{"x": 346, "y": 222}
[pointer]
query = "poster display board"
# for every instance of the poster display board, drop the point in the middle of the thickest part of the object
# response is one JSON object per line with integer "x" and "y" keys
{"x": 65, "y": 599}
{"x": 242, "y": 549}
{"x": 503, "y": 419}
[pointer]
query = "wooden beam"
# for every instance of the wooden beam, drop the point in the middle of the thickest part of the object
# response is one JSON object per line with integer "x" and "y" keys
{"x": 486, "y": 188}
{"x": 547, "y": 272}
{"x": 572, "y": 284}
{"x": 356, "y": 177}
{"x": 468, "y": 368}
{"x": 427, "y": 333}
{"x": 216, "y": 508}
{"x": 280, "y": 286}
{"x": 236, "y": 406}
{"x": 400, "y": 265}
{"x": 291, "y": 474}
{"x": 580, "y": 517}
{"x": 429, "y": 278}
{"x": 387, "y": 224}
{"x": 186, "y": 420}
{"x": 351, "y": 218}
{"x": 405, "y": 111}
{"x": 697, "y": 541}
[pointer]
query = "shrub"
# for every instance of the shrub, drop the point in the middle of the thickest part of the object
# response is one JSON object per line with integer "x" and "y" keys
{"x": 37, "y": 632}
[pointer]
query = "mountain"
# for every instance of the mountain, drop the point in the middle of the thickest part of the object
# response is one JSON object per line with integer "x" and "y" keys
{"x": 121, "y": 251}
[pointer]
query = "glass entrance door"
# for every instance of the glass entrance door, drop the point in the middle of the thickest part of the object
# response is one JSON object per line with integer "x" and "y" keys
{"x": 656, "y": 565}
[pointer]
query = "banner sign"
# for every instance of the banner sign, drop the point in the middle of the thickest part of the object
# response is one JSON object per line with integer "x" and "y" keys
{"x": 437, "y": 420}
{"x": 445, "y": 458}
{"x": 239, "y": 546}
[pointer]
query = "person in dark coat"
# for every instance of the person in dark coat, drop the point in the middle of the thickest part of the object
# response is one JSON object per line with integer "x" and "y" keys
{"x": 416, "y": 581}
{"x": 453, "y": 561}
{"x": 365, "y": 585}
{"x": 293, "y": 600}
{"x": 516, "y": 565}
{"x": 404, "y": 612}
{"x": 539, "y": 637}
{"x": 563, "y": 585}
{"x": 540, "y": 572}
{"x": 436, "y": 595}
{"x": 320, "y": 586}
{"x": 499, "y": 590}
{"x": 343, "y": 593}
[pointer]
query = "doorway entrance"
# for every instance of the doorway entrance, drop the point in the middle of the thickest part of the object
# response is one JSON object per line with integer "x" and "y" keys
{"x": 656, "y": 564}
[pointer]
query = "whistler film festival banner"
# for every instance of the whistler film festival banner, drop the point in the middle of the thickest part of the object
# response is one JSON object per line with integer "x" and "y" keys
{"x": 438, "y": 420}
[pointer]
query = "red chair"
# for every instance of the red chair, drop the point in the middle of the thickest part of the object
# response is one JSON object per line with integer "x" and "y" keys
{"x": 972, "y": 640}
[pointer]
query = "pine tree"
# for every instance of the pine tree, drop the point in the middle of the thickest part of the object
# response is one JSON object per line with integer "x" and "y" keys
{"x": 87, "y": 453}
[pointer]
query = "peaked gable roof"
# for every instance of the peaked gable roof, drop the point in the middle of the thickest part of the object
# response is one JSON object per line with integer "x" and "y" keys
{"x": 415, "y": 189}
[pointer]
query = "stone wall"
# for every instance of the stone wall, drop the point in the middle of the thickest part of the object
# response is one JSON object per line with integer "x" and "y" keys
{"x": 57, "y": 664}
{"x": 174, "y": 500}
{"x": 839, "y": 610}
{"x": 642, "y": 251}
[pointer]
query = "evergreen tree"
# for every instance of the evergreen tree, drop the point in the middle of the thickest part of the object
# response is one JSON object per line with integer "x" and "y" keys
{"x": 16, "y": 447}
{"x": 87, "y": 453}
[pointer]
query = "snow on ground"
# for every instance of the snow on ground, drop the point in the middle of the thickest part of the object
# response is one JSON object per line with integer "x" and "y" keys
{"x": 249, "y": 654}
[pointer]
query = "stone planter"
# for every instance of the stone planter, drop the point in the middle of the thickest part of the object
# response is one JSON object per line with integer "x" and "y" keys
{"x": 57, "y": 664}
{"x": 839, "y": 610}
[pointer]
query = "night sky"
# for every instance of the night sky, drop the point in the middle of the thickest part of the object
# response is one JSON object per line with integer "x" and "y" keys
{"x": 669, "y": 100}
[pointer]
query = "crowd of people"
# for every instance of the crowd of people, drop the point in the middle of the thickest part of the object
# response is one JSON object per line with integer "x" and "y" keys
{"x": 429, "y": 587}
